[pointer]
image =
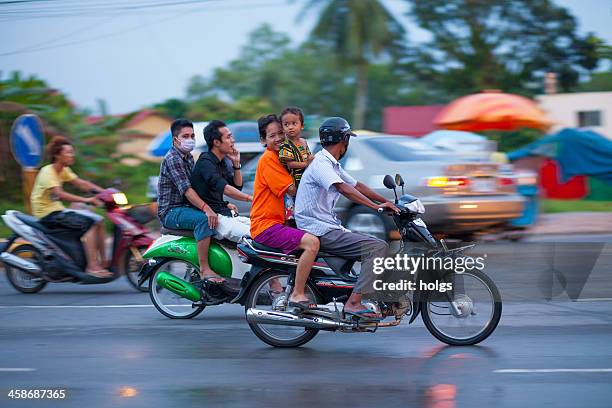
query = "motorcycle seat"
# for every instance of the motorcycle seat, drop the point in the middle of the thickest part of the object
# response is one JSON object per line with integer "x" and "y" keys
{"x": 32, "y": 222}
{"x": 180, "y": 233}
{"x": 339, "y": 265}
{"x": 189, "y": 233}
{"x": 296, "y": 253}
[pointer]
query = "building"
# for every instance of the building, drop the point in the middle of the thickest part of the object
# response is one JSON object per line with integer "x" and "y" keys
{"x": 137, "y": 133}
{"x": 589, "y": 110}
{"x": 410, "y": 120}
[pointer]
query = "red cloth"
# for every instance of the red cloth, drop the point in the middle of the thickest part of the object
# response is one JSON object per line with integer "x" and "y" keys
{"x": 575, "y": 188}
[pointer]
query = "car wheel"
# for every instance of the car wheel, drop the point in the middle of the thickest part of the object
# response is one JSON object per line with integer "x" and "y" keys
{"x": 367, "y": 221}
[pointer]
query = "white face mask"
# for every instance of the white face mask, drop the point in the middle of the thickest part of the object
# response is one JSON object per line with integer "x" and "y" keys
{"x": 187, "y": 146}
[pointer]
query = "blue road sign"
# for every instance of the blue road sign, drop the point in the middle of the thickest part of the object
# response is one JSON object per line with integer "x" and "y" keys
{"x": 27, "y": 140}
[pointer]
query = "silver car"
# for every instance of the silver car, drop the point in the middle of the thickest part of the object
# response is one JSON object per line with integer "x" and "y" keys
{"x": 460, "y": 197}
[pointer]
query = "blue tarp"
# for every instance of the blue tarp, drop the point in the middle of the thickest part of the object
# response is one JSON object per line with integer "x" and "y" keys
{"x": 578, "y": 152}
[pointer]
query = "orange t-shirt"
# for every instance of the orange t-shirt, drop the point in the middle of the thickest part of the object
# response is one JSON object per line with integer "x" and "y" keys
{"x": 271, "y": 182}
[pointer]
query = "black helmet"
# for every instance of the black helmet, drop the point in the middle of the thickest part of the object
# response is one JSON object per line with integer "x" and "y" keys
{"x": 334, "y": 130}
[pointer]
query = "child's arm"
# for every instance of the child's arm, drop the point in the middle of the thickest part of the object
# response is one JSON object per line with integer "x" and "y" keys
{"x": 297, "y": 165}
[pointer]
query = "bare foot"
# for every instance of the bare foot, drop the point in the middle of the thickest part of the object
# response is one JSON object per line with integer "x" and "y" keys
{"x": 298, "y": 298}
{"x": 275, "y": 286}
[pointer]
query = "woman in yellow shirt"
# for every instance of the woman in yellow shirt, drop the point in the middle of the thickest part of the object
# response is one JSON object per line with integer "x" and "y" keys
{"x": 47, "y": 196}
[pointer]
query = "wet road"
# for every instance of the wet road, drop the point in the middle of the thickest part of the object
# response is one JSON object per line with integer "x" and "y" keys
{"x": 107, "y": 346}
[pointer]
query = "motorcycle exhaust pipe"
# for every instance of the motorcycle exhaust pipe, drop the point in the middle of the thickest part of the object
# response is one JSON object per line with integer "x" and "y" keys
{"x": 19, "y": 263}
{"x": 178, "y": 286}
{"x": 288, "y": 319}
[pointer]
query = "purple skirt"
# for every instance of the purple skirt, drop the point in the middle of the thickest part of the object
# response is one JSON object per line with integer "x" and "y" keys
{"x": 281, "y": 237}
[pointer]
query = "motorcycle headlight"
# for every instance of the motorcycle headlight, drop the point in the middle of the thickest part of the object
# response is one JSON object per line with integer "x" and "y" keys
{"x": 120, "y": 199}
{"x": 415, "y": 206}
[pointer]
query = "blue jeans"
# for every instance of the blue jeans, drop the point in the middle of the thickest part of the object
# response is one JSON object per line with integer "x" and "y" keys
{"x": 188, "y": 218}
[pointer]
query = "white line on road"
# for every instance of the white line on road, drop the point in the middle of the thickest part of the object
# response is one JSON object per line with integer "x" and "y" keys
{"x": 554, "y": 370}
{"x": 593, "y": 299}
{"x": 80, "y": 306}
{"x": 16, "y": 370}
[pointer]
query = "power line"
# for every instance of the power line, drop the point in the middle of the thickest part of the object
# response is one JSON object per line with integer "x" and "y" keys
{"x": 63, "y": 10}
{"x": 39, "y": 47}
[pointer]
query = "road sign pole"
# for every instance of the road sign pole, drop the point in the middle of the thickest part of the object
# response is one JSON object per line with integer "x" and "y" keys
{"x": 27, "y": 145}
{"x": 28, "y": 176}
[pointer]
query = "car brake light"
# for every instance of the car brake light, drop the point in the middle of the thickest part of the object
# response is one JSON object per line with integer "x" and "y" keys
{"x": 447, "y": 181}
{"x": 505, "y": 181}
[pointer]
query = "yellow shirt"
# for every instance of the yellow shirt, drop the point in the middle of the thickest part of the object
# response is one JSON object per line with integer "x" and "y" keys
{"x": 47, "y": 178}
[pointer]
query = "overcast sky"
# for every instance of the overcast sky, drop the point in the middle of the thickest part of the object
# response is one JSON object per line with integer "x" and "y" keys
{"x": 132, "y": 57}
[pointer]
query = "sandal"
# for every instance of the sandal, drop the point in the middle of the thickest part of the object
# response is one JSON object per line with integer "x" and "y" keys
{"x": 99, "y": 273}
{"x": 360, "y": 314}
{"x": 215, "y": 280}
{"x": 303, "y": 305}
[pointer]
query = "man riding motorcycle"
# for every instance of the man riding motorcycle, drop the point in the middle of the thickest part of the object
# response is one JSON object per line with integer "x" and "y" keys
{"x": 321, "y": 185}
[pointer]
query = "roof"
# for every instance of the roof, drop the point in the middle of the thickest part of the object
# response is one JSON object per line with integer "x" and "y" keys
{"x": 137, "y": 118}
{"x": 410, "y": 120}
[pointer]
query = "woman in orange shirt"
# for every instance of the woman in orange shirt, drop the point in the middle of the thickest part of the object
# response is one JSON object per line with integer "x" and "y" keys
{"x": 268, "y": 227}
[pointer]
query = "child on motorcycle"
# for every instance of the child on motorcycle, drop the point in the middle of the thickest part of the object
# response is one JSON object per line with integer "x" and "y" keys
{"x": 294, "y": 153}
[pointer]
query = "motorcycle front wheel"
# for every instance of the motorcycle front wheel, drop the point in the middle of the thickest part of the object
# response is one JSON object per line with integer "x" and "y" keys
{"x": 478, "y": 312}
{"x": 268, "y": 293}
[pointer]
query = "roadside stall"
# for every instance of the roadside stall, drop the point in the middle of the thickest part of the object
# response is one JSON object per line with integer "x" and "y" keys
{"x": 495, "y": 110}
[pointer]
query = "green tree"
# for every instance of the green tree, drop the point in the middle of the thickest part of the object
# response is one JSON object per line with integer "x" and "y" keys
{"x": 269, "y": 70}
{"x": 173, "y": 107}
{"x": 510, "y": 45}
{"x": 360, "y": 32}
{"x": 599, "y": 82}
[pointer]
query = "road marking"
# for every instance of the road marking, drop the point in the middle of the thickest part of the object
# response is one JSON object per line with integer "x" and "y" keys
{"x": 16, "y": 370}
{"x": 555, "y": 370}
{"x": 81, "y": 306}
{"x": 592, "y": 299}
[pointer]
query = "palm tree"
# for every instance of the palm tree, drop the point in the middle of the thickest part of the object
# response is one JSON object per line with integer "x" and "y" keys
{"x": 359, "y": 31}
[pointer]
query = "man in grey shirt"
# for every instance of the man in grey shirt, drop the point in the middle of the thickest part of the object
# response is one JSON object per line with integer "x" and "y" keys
{"x": 321, "y": 185}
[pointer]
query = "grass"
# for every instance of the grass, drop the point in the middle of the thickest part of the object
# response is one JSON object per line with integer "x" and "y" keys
{"x": 560, "y": 206}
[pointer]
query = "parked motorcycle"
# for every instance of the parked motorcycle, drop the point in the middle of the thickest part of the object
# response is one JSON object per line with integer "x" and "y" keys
{"x": 464, "y": 316}
{"x": 36, "y": 255}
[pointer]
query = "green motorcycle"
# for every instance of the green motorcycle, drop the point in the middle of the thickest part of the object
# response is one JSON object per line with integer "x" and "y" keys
{"x": 172, "y": 266}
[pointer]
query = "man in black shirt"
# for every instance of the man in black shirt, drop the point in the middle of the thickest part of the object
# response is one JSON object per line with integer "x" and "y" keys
{"x": 212, "y": 178}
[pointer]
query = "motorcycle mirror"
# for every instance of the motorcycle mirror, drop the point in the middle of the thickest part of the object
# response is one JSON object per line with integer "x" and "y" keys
{"x": 390, "y": 184}
{"x": 399, "y": 181}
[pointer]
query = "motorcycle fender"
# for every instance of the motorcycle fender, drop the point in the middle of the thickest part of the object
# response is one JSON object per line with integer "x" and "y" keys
{"x": 142, "y": 240}
{"x": 8, "y": 245}
{"x": 145, "y": 271}
{"x": 417, "y": 304}
{"x": 248, "y": 278}
{"x": 416, "y": 309}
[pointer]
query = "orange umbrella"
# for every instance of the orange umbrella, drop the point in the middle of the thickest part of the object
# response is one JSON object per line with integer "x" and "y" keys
{"x": 492, "y": 110}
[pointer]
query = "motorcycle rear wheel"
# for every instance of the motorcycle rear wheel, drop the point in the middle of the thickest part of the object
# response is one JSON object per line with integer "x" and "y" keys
{"x": 23, "y": 281}
{"x": 481, "y": 301}
{"x": 277, "y": 335}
